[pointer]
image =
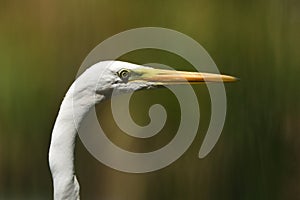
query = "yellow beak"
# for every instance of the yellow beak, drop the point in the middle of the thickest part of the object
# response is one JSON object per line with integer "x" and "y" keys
{"x": 180, "y": 77}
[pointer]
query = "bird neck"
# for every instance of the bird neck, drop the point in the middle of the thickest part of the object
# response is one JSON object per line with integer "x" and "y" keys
{"x": 61, "y": 152}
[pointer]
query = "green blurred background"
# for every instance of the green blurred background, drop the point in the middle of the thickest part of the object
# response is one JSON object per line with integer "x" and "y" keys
{"x": 42, "y": 44}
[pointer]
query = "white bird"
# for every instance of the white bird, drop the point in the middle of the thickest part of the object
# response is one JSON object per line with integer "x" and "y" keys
{"x": 93, "y": 86}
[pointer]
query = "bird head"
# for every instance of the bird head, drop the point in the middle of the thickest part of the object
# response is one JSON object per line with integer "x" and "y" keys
{"x": 122, "y": 77}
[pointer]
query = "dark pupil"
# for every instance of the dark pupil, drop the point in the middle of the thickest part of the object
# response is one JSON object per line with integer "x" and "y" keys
{"x": 124, "y": 74}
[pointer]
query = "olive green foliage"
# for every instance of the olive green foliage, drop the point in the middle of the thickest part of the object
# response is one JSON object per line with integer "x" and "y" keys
{"x": 42, "y": 44}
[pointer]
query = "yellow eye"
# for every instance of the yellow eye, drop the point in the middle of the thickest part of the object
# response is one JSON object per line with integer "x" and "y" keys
{"x": 124, "y": 74}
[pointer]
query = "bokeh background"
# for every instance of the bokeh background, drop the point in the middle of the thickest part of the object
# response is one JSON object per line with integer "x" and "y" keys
{"x": 43, "y": 43}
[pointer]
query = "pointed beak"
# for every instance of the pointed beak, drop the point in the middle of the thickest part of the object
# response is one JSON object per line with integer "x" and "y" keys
{"x": 170, "y": 77}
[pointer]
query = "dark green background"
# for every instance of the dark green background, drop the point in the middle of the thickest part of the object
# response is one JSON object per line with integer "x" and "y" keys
{"x": 42, "y": 44}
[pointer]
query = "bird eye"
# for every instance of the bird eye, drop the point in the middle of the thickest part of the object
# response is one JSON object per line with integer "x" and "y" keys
{"x": 124, "y": 74}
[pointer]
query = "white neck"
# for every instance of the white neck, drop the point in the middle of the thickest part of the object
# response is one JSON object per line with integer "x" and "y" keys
{"x": 61, "y": 152}
{"x": 78, "y": 101}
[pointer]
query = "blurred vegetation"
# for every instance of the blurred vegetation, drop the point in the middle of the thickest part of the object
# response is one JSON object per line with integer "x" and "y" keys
{"x": 42, "y": 44}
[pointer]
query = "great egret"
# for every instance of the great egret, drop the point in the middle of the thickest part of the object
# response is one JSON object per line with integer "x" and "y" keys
{"x": 93, "y": 86}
